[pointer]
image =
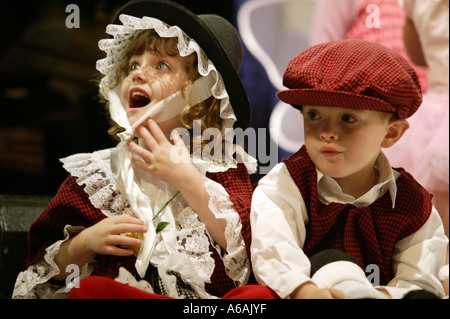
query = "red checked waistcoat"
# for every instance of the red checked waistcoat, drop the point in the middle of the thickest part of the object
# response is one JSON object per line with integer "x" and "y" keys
{"x": 368, "y": 233}
{"x": 71, "y": 206}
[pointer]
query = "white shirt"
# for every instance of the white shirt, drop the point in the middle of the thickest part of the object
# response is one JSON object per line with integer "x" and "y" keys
{"x": 278, "y": 220}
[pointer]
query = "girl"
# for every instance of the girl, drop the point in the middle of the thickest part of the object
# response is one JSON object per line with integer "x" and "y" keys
{"x": 150, "y": 209}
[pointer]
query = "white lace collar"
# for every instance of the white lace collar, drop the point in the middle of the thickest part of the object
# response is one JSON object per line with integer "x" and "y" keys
{"x": 97, "y": 173}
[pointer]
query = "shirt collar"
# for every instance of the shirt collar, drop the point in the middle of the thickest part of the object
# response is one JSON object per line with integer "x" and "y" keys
{"x": 330, "y": 191}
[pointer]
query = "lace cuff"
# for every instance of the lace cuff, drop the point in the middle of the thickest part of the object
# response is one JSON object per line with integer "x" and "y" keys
{"x": 235, "y": 259}
{"x": 35, "y": 283}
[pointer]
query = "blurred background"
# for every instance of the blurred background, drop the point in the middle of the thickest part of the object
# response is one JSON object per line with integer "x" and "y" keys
{"x": 48, "y": 94}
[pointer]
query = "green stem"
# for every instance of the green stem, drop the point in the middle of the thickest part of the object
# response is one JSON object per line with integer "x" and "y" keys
{"x": 164, "y": 206}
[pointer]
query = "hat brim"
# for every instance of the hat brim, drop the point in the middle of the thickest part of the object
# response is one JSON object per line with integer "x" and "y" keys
{"x": 174, "y": 14}
{"x": 299, "y": 97}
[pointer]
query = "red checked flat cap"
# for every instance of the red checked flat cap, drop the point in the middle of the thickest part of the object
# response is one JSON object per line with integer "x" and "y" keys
{"x": 353, "y": 74}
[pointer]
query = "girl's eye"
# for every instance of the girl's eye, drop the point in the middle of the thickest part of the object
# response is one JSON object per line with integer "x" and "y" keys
{"x": 134, "y": 66}
{"x": 348, "y": 118}
{"x": 162, "y": 66}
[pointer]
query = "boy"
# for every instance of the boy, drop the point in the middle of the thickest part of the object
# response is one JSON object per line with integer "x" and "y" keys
{"x": 336, "y": 209}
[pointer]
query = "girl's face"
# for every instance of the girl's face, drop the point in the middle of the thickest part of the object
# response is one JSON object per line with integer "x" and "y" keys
{"x": 344, "y": 143}
{"x": 152, "y": 77}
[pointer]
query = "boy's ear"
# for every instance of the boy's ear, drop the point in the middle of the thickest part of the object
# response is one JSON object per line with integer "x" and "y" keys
{"x": 396, "y": 129}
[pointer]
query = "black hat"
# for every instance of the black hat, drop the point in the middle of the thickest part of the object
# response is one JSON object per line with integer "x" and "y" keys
{"x": 217, "y": 38}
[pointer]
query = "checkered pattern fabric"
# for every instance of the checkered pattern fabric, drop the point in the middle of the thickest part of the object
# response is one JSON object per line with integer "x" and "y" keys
{"x": 238, "y": 186}
{"x": 353, "y": 74}
{"x": 368, "y": 233}
{"x": 183, "y": 288}
{"x": 71, "y": 206}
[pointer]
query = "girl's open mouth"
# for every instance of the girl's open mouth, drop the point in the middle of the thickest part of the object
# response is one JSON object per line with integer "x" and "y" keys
{"x": 138, "y": 99}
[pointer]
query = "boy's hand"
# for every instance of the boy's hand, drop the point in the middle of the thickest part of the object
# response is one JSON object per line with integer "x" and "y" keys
{"x": 310, "y": 291}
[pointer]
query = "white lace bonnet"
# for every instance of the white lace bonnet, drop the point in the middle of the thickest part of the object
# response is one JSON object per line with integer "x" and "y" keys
{"x": 215, "y": 41}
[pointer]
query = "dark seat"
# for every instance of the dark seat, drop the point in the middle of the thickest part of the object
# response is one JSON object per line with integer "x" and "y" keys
{"x": 17, "y": 213}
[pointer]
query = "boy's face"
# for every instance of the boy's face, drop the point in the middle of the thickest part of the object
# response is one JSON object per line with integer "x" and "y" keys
{"x": 151, "y": 78}
{"x": 343, "y": 142}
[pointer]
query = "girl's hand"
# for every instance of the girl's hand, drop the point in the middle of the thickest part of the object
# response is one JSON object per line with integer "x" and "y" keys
{"x": 101, "y": 238}
{"x": 172, "y": 164}
{"x": 105, "y": 236}
{"x": 164, "y": 160}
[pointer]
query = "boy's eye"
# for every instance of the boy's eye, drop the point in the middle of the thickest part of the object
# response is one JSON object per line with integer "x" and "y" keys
{"x": 348, "y": 118}
{"x": 314, "y": 115}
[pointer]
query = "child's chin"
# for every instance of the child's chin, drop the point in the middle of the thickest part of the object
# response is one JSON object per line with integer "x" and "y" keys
{"x": 331, "y": 171}
{"x": 133, "y": 118}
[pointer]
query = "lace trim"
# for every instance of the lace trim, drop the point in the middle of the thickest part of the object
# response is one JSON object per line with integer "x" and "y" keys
{"x": 34, "y": 283}
{"x": 94, "y": 171}
{"x": 217, "y": 167}
{"x": 115, "y": 49}
{"x": 125, "y": 277}
{"x": 236, "y": 261}
{"x": 191, "y": 256}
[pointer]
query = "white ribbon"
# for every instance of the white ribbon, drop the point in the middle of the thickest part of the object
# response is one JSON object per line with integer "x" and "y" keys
{"x": 197, "y": 92}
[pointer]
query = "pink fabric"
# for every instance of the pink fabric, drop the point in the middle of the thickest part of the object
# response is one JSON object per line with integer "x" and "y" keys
{"x": 424, "y": 149}
{"x": 346, "y": 19}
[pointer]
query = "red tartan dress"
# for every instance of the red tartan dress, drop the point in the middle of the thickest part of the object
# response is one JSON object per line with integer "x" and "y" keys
{"x": 368, "y": 233}
{"x": 72, "y": 206}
